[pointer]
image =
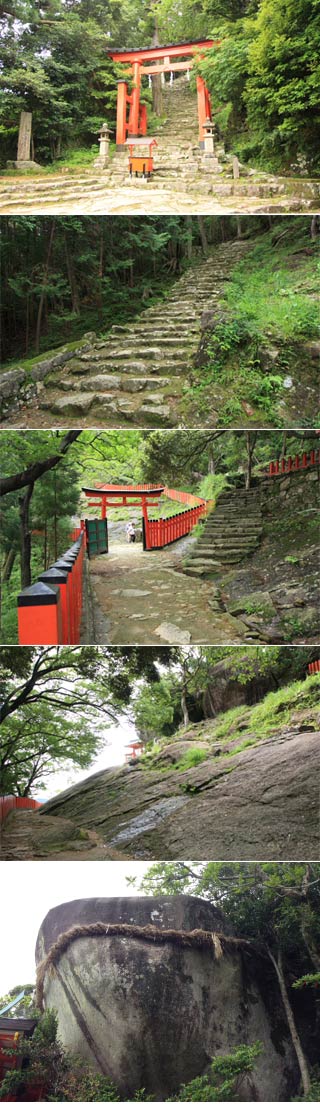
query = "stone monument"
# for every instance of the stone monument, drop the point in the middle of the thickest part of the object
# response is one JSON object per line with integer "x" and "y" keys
{"x": 24, "y": 161}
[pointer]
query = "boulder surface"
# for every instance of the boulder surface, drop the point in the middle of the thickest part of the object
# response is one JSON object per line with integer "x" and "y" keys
{"x": 151, "y": 1011}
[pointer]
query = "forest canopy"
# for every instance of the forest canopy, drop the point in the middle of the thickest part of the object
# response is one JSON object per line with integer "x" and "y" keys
{"x": 264, "y": 78}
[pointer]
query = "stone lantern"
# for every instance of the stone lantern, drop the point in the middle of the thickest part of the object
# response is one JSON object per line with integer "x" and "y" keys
{"x": 208, "y": 136}
{"x": 104, "y": 139}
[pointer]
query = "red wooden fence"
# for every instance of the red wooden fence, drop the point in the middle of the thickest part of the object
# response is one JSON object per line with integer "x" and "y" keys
{"x": 314, "y": 667}
{"x": 161, "y": 531}
{"x": 10, "y": 802}
{"x": 294, "y": 463}
{"x": 49, "y": 611}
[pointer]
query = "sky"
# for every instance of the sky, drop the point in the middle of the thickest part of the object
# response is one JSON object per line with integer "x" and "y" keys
{"x": 117, "y": 738}
{"x": 30, "y": 889}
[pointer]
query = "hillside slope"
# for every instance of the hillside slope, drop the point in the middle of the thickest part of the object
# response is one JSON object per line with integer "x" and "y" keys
{"x": 241, "y": 785}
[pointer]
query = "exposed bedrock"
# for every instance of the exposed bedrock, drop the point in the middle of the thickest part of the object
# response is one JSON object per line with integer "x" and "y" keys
{"x": 152, "y": 1013}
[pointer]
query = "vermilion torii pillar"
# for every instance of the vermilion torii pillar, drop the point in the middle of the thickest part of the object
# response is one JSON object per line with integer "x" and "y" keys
{"x": 152, "y": 61}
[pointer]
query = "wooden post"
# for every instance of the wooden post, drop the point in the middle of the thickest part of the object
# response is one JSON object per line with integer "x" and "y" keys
{"x": 203, "y": 107}
{"x": 121, "y": 113}
{"x": 135, "y": 108}
{"x": 39, "y": 615}
{"x": 58, "y": 576}
{"x": 65, "y": 563}
{"x": 146, "y": 520}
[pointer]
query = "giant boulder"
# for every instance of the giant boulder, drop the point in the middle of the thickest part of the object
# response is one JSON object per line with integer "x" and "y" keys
{"x": 148, "y": 1009}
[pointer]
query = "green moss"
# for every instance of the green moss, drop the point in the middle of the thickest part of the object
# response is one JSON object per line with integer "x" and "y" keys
{"x": 30, "y": 362}
{"x": 192, "y": 758}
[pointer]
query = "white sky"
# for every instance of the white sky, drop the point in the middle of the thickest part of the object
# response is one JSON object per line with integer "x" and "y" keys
{"x": 30, "y": 889}
{"x": 113, "y": 755}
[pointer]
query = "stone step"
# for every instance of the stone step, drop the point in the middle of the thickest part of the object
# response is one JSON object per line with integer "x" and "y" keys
{"x": 135, "y": 367}
{"x": 114, "y": 382}
{"x": 223, "y": 542}
{"x": 226, "y": 540}
{"x": 119, "y": 350}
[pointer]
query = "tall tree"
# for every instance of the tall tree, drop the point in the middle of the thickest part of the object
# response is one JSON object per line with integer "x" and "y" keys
{"x": 266, "y": 903}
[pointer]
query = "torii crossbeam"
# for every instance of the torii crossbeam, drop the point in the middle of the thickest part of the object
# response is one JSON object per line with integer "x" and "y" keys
{"x": 152, "y": 61}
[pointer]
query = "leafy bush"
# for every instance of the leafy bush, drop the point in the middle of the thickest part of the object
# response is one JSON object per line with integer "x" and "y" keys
{"x": 226, "y": 1077}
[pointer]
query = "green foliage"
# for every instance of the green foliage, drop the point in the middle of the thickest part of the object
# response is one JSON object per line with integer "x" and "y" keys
{"x": 282, "y": 90}
{"x": 314, "y": 1093}
{"x": 192, "y": 758}
{"x": 49, "y": 716}
{"x": 264, "y": 80}
{"x": 154, "y": 711}
{"x": 262, "y": 719}
{"x": 270, "y": 298}
{"x": 226, "y": 1078}
{"x": 264, "y": 901}
{"x": 306, "y": 980}
{"x": 93, "y": 277}
{"x": 211, "y": 486}
{"x": 25, "y": 1007}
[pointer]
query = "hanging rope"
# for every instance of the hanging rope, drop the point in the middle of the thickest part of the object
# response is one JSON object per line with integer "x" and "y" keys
{"x": 215, "y": 942}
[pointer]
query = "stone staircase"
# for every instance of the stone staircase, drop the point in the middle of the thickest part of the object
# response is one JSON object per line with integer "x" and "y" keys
{"x": 180, "y": 168}
{"x": 231, "y": 533}
{"x": 138, "y": 373}
{"x": 177, "y": 157}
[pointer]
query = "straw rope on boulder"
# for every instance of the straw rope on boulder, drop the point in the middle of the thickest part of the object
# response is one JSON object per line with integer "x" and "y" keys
{"x": 215, "y": 942}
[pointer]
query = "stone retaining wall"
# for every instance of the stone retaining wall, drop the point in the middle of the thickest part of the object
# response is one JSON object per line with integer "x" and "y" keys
{"x": 18, "y": 386}
{"x": 303, "y": 486}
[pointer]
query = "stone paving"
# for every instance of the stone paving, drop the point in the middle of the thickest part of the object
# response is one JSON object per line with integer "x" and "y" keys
{"x": 145, "y": 598}
{"x": 184, "y": 181}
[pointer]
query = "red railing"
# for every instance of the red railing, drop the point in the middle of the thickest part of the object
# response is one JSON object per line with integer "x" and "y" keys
{"x": 294, "y": 463}
{"x": 9, "y": 802}
{"x": 161, "y": 531}
{"x": 314, "y": 668}
{"x": 187, "y": 497}
{"x": 49, "y": 611}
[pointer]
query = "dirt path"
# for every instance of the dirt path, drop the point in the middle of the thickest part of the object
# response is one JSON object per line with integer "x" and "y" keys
{"x": 138, "y": 591}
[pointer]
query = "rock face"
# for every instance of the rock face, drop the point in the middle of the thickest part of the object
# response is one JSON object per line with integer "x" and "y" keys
{"x": 263, "y": 799}
{"x": 152, "y": 1014}
{"x": 225, "y": 691}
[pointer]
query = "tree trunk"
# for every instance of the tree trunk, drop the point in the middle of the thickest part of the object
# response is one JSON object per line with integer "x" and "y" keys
{"x": 314, "y": 227}
{"x": 72, "y": 279}
{"x": 184, "y": 706}
{"x": 156, "y": 80}
{"x": 8, "y": 565}
{"x": 203, "y": 236}
{"x": 25, "y": 536}
{"x": 302, "y": 1061}
{"x": 189, "y": 237}
{"x": 284, "y": 445}
{"x": 45, "y": 546}
{"x": 250, "y": 442}
{"x": 45, "y": 280}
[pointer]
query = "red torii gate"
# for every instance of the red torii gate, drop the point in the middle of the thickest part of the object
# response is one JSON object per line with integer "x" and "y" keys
{"x": 108, "y": 494}
{"x": 161, "y": 57}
